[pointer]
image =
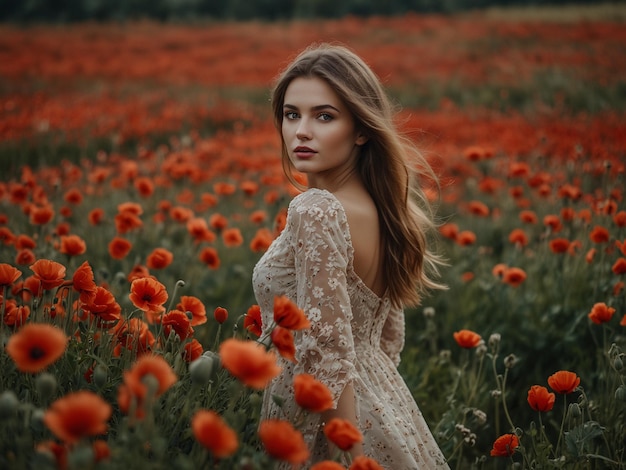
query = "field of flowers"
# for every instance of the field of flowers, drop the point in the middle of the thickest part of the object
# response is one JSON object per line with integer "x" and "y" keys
{"x": 140, "y": 183}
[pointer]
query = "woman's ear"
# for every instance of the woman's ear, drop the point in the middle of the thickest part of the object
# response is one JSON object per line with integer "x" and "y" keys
{"x": 361, "y": 139}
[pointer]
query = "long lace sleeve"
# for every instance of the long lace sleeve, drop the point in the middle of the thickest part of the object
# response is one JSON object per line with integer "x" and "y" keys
{"x": 326, "y": 350}
{"x": 392, "y": 339}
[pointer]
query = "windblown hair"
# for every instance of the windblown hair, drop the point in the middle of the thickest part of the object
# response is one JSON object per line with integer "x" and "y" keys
{"x": 388, "y": 164}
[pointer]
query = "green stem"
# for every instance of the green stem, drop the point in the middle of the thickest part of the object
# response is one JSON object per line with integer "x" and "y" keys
{"x": 558, "y": 442}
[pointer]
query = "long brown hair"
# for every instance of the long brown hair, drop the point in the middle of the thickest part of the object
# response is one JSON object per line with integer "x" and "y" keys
{"x": 388, "y": 165}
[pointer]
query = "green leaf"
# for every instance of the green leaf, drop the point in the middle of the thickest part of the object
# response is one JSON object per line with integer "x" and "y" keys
{"x": 577, "y": 439}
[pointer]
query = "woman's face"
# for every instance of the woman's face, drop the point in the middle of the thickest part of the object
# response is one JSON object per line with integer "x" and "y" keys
{"x": 319, "y": 131}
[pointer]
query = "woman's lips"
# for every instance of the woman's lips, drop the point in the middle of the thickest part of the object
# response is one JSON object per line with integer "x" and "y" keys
{"x": 304, "y": 152}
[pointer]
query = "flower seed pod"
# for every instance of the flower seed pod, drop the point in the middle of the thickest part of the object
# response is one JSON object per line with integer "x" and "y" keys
{"x": 574, "y": 410}
{"x": 46, "y": 384}
{"x": 201, "y": 370}
{"x": 618, "y": 364}
{"x": 620, "y": 393}
{"x": 100, "y": 375}
{"x": 8, "y": 404}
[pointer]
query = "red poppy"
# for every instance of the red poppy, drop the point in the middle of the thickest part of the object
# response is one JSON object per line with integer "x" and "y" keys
{"x": 518, "y": 237}
{"x": 134, "y": 335}
{"x": 252, "y": 321}
{"x": 619, "y": 267}
{"x": 499, "y": 269}
{"x": 311, "y": 394}
{"x": 83, "y": 282}
{"x": 35, "y": 346}
{"x": 25, "y": 257}
{"x": 101, "y": 450}
{"x": 467, "y": 338}
{"x": 262, "y": 240}
{"x": 144, "y": 186}
{"x": 50, "y": 273}
{"x": 283, "y": 442}
{"x": 260, "y": 216}
{"x": 159, "y": 258}
{"x": 505, "y": 445}
{"x": 553, "y": 221}
{"x": 563, "y": 381}
{"x": 194, "y": 306}
{"x": 138, "y": 272}
{"x": 119, "y": 247}
{"x": 73, "y": 196}
{"x": 192, "y": 350}
{"x": 41, "y": 215}
{"x": 601, "y": 313}
{"x": 478, "y": 208}
{"x": 103, "y": 305}
{"x": 178, "y": 322}
{"x": 148, "y": 294}
{"x": 232, "y": 237}
{"x": 328, "y": 465}
{"x": 78, "y": 415}
{"x": 210, "y": 257}
{"x": 15, "y": 315}
{"x": 24, "y": 242}
{"x": 199, "y": 230}
{"x": 282, "y": 339}
{"x": 220, "y": 314}
{"x": 212, "y": 432}
{"x": 8, "y": 275}
{"x": 619, "y": 219}
{"x": 126, "y": 222}
{"x": 559, "y": 245}
{"x": 514, "y": 276}
{"x": 7, "y": 237}
{"x": 218, "y": 222}
{"x": 540, "y": 399}
{"x": 599, "y": 234}
{"x": 288, "y": 315}
{"x": 96, "y": 216}
{"x": 342, "y": 433}
{"x": 249, "y": 362}
{"x": 466, "y": 238}
{"x": 224, "y": 189}
{"x": 149, "y": 365}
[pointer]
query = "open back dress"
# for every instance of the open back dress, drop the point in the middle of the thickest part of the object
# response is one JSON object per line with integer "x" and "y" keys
{"x": 355, "y": 337}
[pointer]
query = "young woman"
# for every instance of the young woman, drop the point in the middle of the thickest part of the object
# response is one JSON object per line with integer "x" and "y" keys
{"x": 352, "y": 255}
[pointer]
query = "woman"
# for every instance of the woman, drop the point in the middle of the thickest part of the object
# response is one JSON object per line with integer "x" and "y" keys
{"x": 352, "y": 255}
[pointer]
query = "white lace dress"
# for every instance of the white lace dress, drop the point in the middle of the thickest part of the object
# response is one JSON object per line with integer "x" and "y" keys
{"x": 355, "y": 337}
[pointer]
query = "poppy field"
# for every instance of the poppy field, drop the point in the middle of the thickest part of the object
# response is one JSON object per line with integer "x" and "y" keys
{"x": 141, "y": 181}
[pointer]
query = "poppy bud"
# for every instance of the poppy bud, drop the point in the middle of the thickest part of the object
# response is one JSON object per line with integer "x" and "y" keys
{"x": 618, "y": 364}
{"x": 201, "y": 370}
{"x": 36, "y": 419}
{"x": 220, "y": 314}
{"x": 81, "y": 457}
{"x": 510, "y": 361}
{"x": 574, "y": 410}
{"x": 620, "y": 393}
{"x": 46, "y": 385}
{"x": 494, "y": 340}
{"x": 8, "y": 404}
{"x": 100, "y": 375}
{"x": 278, "y": 400}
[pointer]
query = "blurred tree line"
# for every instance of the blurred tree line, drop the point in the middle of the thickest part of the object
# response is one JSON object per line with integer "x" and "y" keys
{"x": 77, "y": 10}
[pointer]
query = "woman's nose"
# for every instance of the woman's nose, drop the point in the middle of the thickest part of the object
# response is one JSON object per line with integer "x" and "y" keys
{"x": 303, "y": 132}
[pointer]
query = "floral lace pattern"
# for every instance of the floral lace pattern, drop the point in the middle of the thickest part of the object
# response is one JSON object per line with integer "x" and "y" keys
{"x": 355, "y": 337}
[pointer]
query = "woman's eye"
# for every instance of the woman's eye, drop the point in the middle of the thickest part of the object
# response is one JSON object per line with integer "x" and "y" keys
{"x": 291, "y": 115}
{"x": 325, "y": 117}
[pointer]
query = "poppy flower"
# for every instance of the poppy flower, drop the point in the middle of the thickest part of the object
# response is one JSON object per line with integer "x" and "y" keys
{"x": 466, "y": 238}
{"x": 50, "y": 273}
{"x": 232, "y": 237}
{"x": 126, "y": 222}
{"x": 563, "y": 381}
{"x": 499, "y": 269}
{"x": 282, "y": 338}
{"x": 119, "y": 247}
{"x": 559, "y": 245}
{"x": 518, "y": 237}
{"x": 199, "y": 230}
{"x": 103, "y": 305}
{"x": 478, "y": 208}
{"x": 15, "y": 315}
{"x": 144, "y": 186}
{"x": 8, "y": 275}
{"x": 261, "y": 241}
{"x": 540, "y": 399}
{"x": 364, "y": 463}
{"x": 101, "y": 450}
{"x": 449, "y": 230}
{"x": 528, "y": 217}
{"x": 601, "y": 313}
{"x": 192, "y": 350}
{"x": 288, "y": 315}
{"x": 155, "y": 366}
{"x": 134, "y": 335}
{"x": 218, "y": 222}
{"x": 342, "y": 433}
{"x": 311, "y": 394}
{"x": 328, "y": 465}
{"x": 96, "y": 216}
{"x": 25, "y": 242}
{"x": 7, "y": 237}
{"x": 249, "y": 362}
{"x": 41, "y": 215}
{"x": 252, "y": 320}
{"x": 148, "y": 294}
{"x": 35, "y": 346}
{"x": 72, "y": 245}
{"x": 178, "y": 322}
{"x": 56, "y": 450}
{"x": 260, "y": 216}
{"x": 210, "y": 257}
{"x": 599, "y": 234}
{"x": 194, "y": 306}
{"x": 283, "y": 442}
{"x": 514, "y": 276}
{"x": 159, "y": 258}
{"x": 224, "y": 189}
{"x": 78, "y": 415}
{"x": 619, "y": 219}
{"x": 212, "y": 432}
{"x": 25, "y": 256}
{"x": 467, "y": 338}
{"x": 619, "y": 267}
{"x": 83, "y": 282}
{"x": 553, "y": 222}
{"x": 505, "y": 445}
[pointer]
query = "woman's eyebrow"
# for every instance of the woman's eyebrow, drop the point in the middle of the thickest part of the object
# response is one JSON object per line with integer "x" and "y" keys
{"x": 319, "y": 107}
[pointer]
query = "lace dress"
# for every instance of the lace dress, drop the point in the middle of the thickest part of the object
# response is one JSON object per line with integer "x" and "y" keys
{"x": 355, "y": 337}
